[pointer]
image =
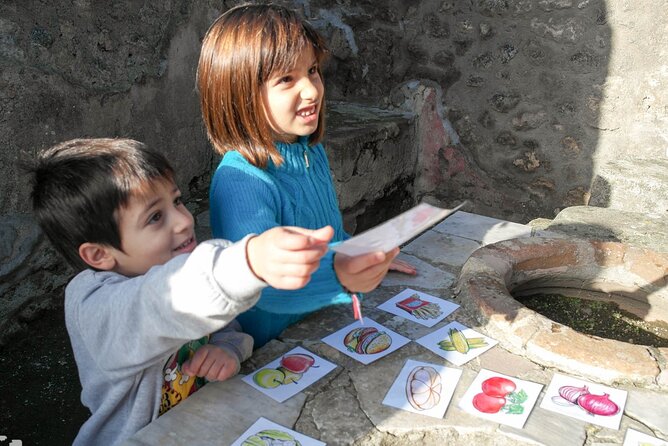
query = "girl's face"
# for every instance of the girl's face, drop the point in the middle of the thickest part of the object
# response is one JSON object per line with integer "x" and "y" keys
{"x": 292, "y": 100}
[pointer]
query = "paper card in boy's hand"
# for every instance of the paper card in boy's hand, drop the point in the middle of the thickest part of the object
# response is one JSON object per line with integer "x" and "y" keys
{"x": 419, "y": 307}
{"x": 423, "y": 388}
{"x": 457, "y": 343}
{"x": 267, "y": 433}
{"x": 584, "y": 400}
{"x": 396, "y": 231}
{"x": 500, "y": 398}
{"x": 367, "y": 342}
{"x": 637, "y": 438}
{"x": 289, "y": 374}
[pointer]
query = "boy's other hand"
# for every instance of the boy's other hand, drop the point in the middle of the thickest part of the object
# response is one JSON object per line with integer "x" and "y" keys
{"x": 286, "y": 256}
{"x": 365, "y": 272}
{"x": 212, "y": 363}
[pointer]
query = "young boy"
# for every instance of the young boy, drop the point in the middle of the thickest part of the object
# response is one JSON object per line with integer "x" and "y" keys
{"x": 112, "y": 209}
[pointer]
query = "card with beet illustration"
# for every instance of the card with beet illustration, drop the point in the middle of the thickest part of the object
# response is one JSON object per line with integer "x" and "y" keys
{"x": 457, "y": 343}
{"x": 423, "y": 388}
{"x": 365, "y": 342}
{"x": 584, "y": 400}
{"x": 290, "y": 374}
{"x": 500, "y": 398}
{"x": 419, "y": 307}
{"x": 265, "y": 433}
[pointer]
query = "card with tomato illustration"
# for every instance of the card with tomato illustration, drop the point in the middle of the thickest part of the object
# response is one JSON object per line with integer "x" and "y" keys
{"x": 584, "y": 400}
{"x": 365, "y": 341}
{"x": 419, "y": 307}
{"x": 290, "y": 374}
{"x": 637, "y": 438}
{"x": 500, "y": 398}
{"x": 423, "y": 388}
{"x": 457, "y": 343}
{"x": 265, "y": 432}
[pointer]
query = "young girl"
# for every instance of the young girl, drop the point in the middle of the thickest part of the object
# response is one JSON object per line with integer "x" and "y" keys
{"x": 262, "y": 97}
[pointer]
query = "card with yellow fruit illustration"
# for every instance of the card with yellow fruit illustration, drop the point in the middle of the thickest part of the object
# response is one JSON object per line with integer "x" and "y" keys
{"x": 290, "y": 374}
{"x": 457, "y": 343}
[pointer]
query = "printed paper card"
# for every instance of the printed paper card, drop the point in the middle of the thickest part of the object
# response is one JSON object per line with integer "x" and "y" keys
{"x": 419, "y": 307}
{"x": 423, "y": 388}
{"x": 265, "y": 432}
{"x": 586, "y": 401}
{"x": 366, "y": 342}
{"x": 290, "y": 374}
{"x": 500, "y": 398}
{"x": 457, "y": 343}
{"x": 636, "y": 438}
{"x": 396, "y": 231}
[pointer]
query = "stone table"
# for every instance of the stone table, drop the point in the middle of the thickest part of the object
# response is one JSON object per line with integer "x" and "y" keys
{"x": 344, "y": 407}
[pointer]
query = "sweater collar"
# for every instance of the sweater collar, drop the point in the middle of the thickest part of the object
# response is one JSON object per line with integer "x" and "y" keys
{"x": 293, "y": 154}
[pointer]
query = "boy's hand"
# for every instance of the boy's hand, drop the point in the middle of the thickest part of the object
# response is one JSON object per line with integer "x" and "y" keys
{"x": 212, "y": 363}
{"x": 365, "y": 272}
{"x": 403, "y": 267}
{"x": 285, "y": 257}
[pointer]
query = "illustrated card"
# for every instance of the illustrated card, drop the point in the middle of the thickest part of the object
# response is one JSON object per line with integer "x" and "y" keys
{"x": 457, "y": 343}
{"x": 366, "y": 342}
{"x": 396, "y": 231}
{"x": 423, "y": 388}
{"x": 584, "y": 400}
{"x": 266, "y": 432}
{"x": 500, "y": 398}
{"x": 636, "y": 438}
{"x": 419, "y": 307}
{"x": 290, "y": 374}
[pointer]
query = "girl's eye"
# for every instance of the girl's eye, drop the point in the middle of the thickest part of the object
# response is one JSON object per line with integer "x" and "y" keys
{"x": 285, "y": 79}
{"x": 313, "y": 70}
{"x": 178, "y": 201}
{"x": 155, "y": 218}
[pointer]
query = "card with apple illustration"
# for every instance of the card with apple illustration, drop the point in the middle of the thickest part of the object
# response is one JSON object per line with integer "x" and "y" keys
{"x": 500, "y": 398}
{"x": 290, "y": 374}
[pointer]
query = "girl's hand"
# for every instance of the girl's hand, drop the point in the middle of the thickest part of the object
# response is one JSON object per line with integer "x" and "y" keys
{"x": 403, "y": 267}
{"x": 212, "y": 363}
{"x": 365, "y": 272}
{"x": 286, "y": 256}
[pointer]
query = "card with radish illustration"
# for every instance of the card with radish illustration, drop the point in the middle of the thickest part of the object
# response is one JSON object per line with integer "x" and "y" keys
{"x": 423, "y": 388}
{"x": 637, "y": 438}
{"x": 265, "y": 433}
{"x": 500, "y": 398}
{"x": 457, "y": 343}
{"x": 290, "y": 374}
{"x": 584, "y": 400}
{"x": 366, "y": 342}
{"x": 419, "y": 307}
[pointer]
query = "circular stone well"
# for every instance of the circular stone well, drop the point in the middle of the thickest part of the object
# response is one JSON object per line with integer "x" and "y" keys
{"x": 637, "y": 277}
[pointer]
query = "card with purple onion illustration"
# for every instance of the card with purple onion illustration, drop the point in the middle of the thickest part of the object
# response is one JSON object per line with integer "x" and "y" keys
{"x": 457, "y": 343}
{"x": 266, "y": 432}
{"x": 419, "y": 307}
{"x": 500, "y": 398}
{"x": 423, "y": 388}
{"x": 584, "y": 400}
{"x": 365, "y": 342}
{"x": 290, "y": 374}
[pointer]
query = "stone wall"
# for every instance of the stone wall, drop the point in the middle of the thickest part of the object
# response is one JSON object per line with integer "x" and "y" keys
{"x": 516, "y": 105}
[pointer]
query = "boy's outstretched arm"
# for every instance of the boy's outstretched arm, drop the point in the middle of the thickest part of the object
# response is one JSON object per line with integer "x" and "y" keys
{"x": 285, "y": 256}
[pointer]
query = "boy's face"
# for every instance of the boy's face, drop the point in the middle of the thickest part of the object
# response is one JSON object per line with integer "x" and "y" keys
{"x": 292, "y": 100}
{"x": 154, "y": 228}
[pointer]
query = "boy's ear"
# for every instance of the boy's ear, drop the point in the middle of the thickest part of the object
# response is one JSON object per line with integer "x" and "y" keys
{"x": 98, "y": 256}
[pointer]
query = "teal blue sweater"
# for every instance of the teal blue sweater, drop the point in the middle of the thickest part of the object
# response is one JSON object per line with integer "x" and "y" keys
{"x": 245, "y": 199}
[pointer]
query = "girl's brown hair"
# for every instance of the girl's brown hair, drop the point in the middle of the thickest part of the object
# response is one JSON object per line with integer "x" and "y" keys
{"x": 242, "y": 49}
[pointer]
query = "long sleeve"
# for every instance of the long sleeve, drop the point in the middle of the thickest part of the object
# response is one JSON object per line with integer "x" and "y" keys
{"x": 245, "y": 199}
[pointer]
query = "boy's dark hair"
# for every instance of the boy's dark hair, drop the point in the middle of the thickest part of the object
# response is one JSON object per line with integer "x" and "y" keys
{"x": 78, "y": 186}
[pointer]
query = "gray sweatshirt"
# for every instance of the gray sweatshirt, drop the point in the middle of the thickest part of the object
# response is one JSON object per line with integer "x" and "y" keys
{"x": 124, "y": 329}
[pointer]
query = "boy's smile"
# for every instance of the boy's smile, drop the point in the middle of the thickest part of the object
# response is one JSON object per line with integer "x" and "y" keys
{"x": 155, "y": 226}
{"x": 292, "y": 100}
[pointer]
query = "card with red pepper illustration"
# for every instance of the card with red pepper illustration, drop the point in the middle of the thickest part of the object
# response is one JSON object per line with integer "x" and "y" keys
{"x": 500, "y": 398}
{"x": 419, "y": 307}
{"x": 584, "y": 400}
